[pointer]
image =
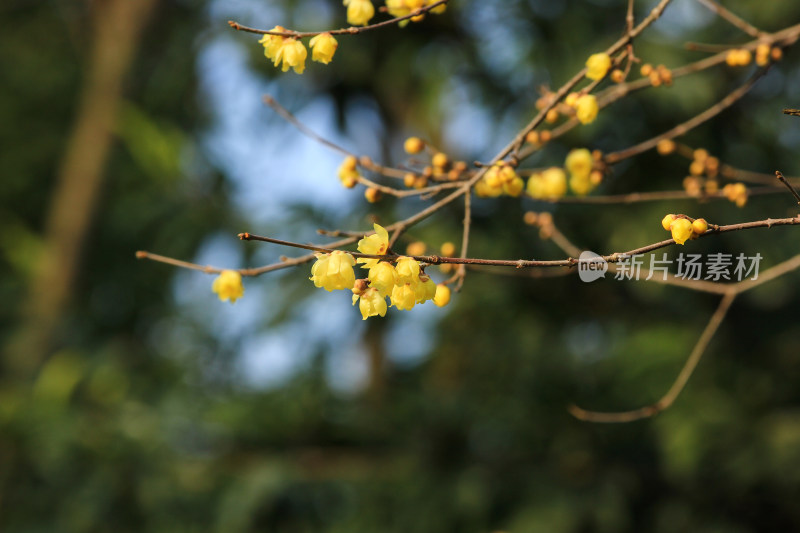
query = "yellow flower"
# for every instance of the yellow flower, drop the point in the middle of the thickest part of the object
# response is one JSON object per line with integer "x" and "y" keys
{"x": 514, "y": 187}
{"x": 597, "y": 66}
{"x": 228, "y": 286}
{"x": 334, "y": 271}
{"x": 404, "y": 296}
{"x": 681, "y": 230}
{"x": 700, "y": 226}
{"x": 383, "y": 277}
{"x": 736, "y": 192}
{"x": 375, "y": 244}
{"x": 552, "y": 183}
{"x": 586, "y": 108}
{"x": 425, "y": 289}
{"x": 347, "y": 172}
{"x": 323, "y": 47}
{"x": 372, "y": 303}
{"x": 438, "y": 10}
{"x": 442, "y": 297}
{"x": 581, "y": 186}
{"x": 579, "y": 163}
{"x": 407, "y": 270}
{"x": 359, "y": 11}
{"x": 292, "y": 53}
{"x": 667, "y": 221}
{"x": 272, "y": 43}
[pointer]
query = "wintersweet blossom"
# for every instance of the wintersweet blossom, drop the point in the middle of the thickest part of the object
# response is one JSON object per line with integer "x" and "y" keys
{"x": 425, "y": 289}
{"x": 404, "y": 296}
{"x": 323, "y": 46}
{"x": 407, "y": 270}
{"x": 383, "y": 277}
{"x": 375, "y": 244}
{"x": 292, "y": 53}
{"x": 551, "y": 183}
{"x": 371, "y": 303}
{"x": 586, "y": 108}
{"x": 579, "y": 162}
{"x": 272, "y": 43}
{"x": 228, "y": 286}
{"x": 334, "y": 271}
{"x": 681, "y": 230}
{"x": 597, "y": 66}
{"x": 359, "y": 12}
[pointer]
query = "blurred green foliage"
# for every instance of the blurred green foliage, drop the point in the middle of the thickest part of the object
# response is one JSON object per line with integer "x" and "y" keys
{"x": 137, "y": 422}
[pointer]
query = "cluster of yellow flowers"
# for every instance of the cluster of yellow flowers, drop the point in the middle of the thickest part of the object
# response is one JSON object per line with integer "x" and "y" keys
{"x": 550, "y": 183}
{"x": 684, "y": 228}
{"x": 658, "y": 75}
{"x": 290, "y": 52}
{"x": 348, "y": 172}
{"x": 583, "y": 176}
{"x": 740, "y": 57}
{"x": 765, "y": 53}
{"x": 736, "y": 193}
{"x": 404, "y": 283}
{"x": 501, "y": 178}
{"x": 359, "y": 12}
{"x": 228, "y": 286}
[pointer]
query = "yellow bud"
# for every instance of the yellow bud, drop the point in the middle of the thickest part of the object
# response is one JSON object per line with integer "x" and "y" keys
{"x": 413, "y": 145}
{"x": 696, "y": 168}
{"x": 665, "y": 146}
{"x": 646, "y": 70}
{"x": 440, "y": 160}
{"x": 530, "y": 218}
{"x": 545, "y": 136}
{"x": 448, "y": 249}
{"x": 617, "y": 76}
{"x": 700, "y": 226}
{"x": 408, "y": 179}
{"x": 415, "y": 248}
{"x": 442, "y": 296}
{"x": 597, "y": 66}
{"x": 551, "y": 116}
{"x": 667, "y": 221}
{"x": 571, "y": 99}
{"x": 372, "y": 195}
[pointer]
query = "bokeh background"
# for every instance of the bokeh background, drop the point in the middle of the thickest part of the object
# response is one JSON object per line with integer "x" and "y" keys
{"x": 132, "y": 399}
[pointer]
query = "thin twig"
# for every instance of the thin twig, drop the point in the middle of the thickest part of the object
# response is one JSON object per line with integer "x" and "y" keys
{"x": 788, "y": 185}
{"x": 690, "y": 124}
{"x": 735, "y": 20}
{"x": 677, "y": 386}
{"x": 343, "y": 31}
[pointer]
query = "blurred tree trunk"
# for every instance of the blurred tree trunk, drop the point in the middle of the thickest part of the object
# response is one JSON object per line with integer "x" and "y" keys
{"x": 116, "y": 28}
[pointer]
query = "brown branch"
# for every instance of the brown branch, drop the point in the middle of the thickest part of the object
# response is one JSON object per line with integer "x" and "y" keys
{"x": 788, "y": 186}
{"x": 343, "y": 31}
{"x": 729, "y": 291}
{"x": 735, "y": 20}
{"x": 677, "y": 386}
{"x": 690, "y": 124}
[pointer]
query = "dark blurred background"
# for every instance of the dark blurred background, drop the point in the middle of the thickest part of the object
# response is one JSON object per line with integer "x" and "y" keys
{"x": 132, "y": 399}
